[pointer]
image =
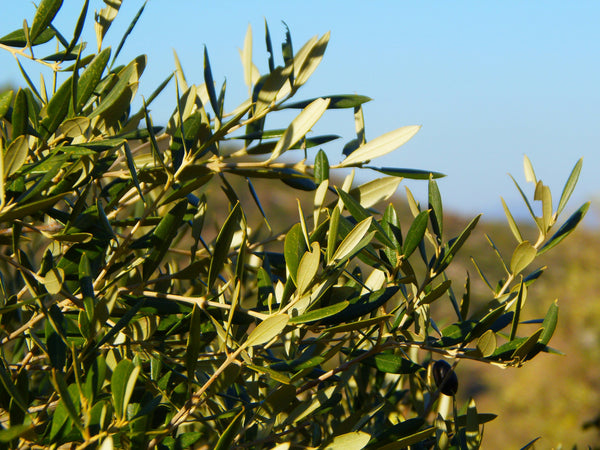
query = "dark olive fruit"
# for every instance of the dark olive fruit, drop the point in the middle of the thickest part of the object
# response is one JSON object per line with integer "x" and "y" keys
{"x": 441, "y": 375}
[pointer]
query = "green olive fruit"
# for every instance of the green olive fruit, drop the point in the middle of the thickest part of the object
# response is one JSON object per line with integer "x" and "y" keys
{"x": 446, "y": 382}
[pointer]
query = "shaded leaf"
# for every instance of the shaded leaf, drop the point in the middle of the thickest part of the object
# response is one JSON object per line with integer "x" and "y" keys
{"x": 223, "y": 243}
{"x": 413, "y": 174}
{"x": 335, "y": 101}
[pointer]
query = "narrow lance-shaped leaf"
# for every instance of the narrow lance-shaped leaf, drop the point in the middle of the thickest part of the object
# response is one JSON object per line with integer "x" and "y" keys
{"x": 456, "y": 244}
{"x": 266, "y": 330}
{"x": 308, "y": 267}
{"x": 30, "y": 208}
{"x": 305, "y": 65}
{"x": 335, "y": 101}
{"x": 78, "y": 26}
{"x": 20, "y": 115}
{"x": 529, "y": 172}
{"x": 332, "y": 234}
{"x": 524, "y": 197}
{"x": 569, "y": 187}
{"x": 15, "y": 155}
{"x": 317, "y": 314}
{"x": 352, "y": 240}
{"x": 43, "y": 17}
{"x": 60, "y": 384}
{"x": 122, "y": 383}
{"x": 293, "y": 250}
{"x": 269, "y": 45}
{"x": 246, "y": 55}
{"x": 223, "y": 243}
{"x": 227, "y": 437}
{"x": 90, "y": 78}
{"x": 415, "y": 234}
{"x": 56, "y": 109}
{"x": 566, "y": 228}
{"x": 210, "y": 84}
{"x": 381, "y": 145}
{"x": 132, "y": 169}
{"x": 512, "y": 223}
{"x": 375, "y": 191}
{"x": 128, "y": 32}
{"x": 119, "y": 97}
{"x": 300, "y": 126}
{"x": 162, "y": 236}
{"x": 321, "y": 167}
{"x": 258, "y": 204}
{"x": 360, "y": 213}
{"x": 411, "y": 174}
{"x": 517, "y": 316}
{"x": 435, "y": 204}
{"x": 542, "y": 193}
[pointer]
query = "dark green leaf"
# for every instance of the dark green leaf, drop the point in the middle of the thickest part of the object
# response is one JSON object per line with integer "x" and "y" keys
{"x": 210, "y": 84}
{"x": 20, "y": 115}
{"x": 336, "y": 101}
{"x": 17, "y": 38}
{"x": 90, "y": 78}
{"x": 223, "y": 243}
{"x": 321, "y": 167}
{"x": 360, "y": 214}
{"x": 518, "y": 306}
{"x": 294, "y": 248}
{"x": 128, "y": 32}
{"x": 162, "y": 236}
{"x": 31, "y": 208}
{"x": 78, "y": 26}
{"x": 230, "y": 432}
{"x": 361, "y": 306}
{"x": 456, "y": 244}
{"x": 389, "y": 362}
{"x": 415, "y": 234}
{"x": 566, "y": 228}
{"x": 413, "y": 174}
{"x": 56, "y": 110}
{"x": 43, "y": 17}
{"x": 435, "y": 204}
{"x": 318, "y": 314}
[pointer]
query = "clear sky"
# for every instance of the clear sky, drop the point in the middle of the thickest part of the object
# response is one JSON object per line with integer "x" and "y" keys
{"x": 488, "y": 81}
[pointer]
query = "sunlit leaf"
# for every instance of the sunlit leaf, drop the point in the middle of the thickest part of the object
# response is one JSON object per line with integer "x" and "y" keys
{"x": 569, "y": 186}
{"x": 266, "y": 330}
{"x": 380, "y": 145}
{"x": 44, "y": 14}
{"x": 300, "y": 126}
{"x": 523, "y": 255}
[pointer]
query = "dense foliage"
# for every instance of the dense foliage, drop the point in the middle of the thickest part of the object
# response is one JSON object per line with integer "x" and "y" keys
{"x": 128, "y": 321}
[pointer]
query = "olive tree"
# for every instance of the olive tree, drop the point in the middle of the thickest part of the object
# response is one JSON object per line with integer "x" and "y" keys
{"x": 148, "y": 298}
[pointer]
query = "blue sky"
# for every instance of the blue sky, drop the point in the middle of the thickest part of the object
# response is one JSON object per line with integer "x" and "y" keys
{"x": 488, "y": 81}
